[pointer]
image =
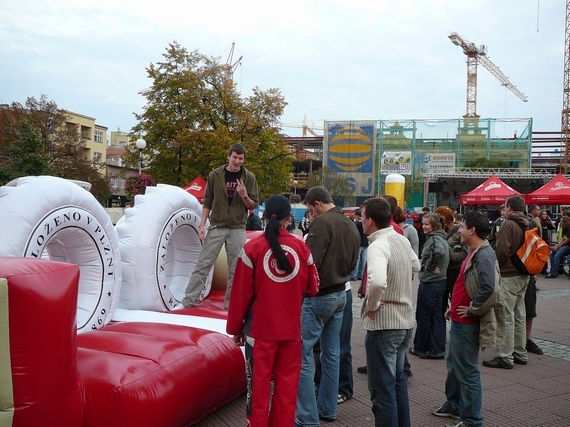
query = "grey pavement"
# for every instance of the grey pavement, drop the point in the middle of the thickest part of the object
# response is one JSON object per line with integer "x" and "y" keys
{"x": 537, "y": 394}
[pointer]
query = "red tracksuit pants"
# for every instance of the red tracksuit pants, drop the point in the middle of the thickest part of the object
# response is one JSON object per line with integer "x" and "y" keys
{"x": 280, "y": 361}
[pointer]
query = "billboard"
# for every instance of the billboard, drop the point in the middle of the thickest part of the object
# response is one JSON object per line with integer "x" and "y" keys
{"x": 348, "y": 149}
{"x": 434, "y": 163}
{"x": 396, "y": 162}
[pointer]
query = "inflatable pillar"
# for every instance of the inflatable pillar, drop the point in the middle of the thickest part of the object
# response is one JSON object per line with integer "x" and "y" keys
{"x": 395, "y": 185}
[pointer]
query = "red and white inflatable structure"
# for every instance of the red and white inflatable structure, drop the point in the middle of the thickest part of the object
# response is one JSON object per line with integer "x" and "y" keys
{"x": 89, "y": 330}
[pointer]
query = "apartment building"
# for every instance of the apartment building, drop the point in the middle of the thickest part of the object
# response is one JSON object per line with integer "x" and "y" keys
{"x": 94, "y": 135}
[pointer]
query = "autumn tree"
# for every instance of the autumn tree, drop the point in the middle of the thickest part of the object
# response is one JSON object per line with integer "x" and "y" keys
{"x": 194, "y": 114}
{"x": 38, "y": 129}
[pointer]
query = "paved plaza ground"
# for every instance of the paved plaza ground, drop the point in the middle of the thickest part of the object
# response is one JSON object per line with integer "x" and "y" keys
{"x": 537, "y": 394}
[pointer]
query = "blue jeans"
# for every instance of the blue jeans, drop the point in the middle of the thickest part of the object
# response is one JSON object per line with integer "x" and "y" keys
{"x": 345, "y": 380}
{"x": 321, "y": 318}
{"x": 359, "y": 269}
{"x": 463, "y": 383}
{"x": 385, "y": 355}
{"x": 556, "y": 258}
{"x": 430, "y": 326}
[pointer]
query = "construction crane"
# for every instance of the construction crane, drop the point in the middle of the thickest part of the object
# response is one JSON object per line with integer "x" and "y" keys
{"x": 231, "y": 66}
{"x": 565, "y": 128}
{"x": 303, "y": 126}
{"x": 476, "y": 55}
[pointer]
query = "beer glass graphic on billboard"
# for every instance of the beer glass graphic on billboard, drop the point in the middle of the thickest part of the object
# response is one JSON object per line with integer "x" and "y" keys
{"x": 395, "y": 184}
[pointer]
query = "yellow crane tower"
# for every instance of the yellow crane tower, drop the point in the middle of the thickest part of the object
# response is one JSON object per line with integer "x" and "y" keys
{"x": 475, "y": 55}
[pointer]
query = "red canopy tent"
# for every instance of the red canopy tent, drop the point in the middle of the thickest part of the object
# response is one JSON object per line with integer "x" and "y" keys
{"x": 554, "y": 192}
{"x": 196, "y": 187}
{"x": 491, "y": 192}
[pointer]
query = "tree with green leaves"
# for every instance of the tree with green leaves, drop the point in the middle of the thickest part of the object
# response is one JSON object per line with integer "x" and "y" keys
{"x": 35, "y": 140}
{"x": 24, "y": 155}
{"x": 194, "y": 114}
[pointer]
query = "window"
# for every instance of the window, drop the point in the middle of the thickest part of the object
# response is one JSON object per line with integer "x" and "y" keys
{"x": 98, "y": 136}
{"x": 97, "y": 157}
{"x": 114, "y": 182}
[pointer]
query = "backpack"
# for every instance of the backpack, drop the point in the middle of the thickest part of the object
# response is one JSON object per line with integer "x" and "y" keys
{"x": 532, "y": 255}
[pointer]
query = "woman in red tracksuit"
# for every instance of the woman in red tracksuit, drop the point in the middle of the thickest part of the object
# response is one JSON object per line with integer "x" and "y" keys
{"x": 274, "y": 273}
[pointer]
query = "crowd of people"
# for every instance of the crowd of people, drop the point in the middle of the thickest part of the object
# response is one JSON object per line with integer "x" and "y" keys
{"x": 289, "y": 299}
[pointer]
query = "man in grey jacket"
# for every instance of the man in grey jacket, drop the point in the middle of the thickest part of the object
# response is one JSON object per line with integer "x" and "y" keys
{"x": 475, "y": 309}
{"x": 231, "y": 191}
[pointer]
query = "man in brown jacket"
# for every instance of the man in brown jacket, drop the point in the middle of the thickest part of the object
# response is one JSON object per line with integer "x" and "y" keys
{"x": 513, "y": 287}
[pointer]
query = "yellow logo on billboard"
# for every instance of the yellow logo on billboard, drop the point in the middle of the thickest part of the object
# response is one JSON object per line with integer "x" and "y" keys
{"x": 351, "y": 150}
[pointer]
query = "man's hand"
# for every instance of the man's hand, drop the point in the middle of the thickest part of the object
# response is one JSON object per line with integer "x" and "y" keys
{"x": 462, "y": 310}
{"x": 239, "y": 339}
{"x": 240, "y": 188}
{"x": 202, "y": 232}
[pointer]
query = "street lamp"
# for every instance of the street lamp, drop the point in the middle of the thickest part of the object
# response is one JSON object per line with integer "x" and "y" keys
{"x": 141, "y": 145}
{"x": 295, "y": 201}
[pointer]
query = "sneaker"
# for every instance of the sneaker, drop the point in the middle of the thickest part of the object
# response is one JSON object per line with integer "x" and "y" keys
{"x": 439, "y": 411}
{"x": 497, "y": 362}
{"x": 341, "y": 399}
{"x": 531, "y": 347}
{"x": 457, "y": 423}
{"x": 520, "y": 361}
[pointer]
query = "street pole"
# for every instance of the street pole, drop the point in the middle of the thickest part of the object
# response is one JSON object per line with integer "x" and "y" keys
{"x": 141, "y": 145}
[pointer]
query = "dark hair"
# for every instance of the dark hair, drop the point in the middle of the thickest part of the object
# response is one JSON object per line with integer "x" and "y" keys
{"x": 399, "y": 216}
{"x": 479, "y": 222}
{"x": 516, "y": 203}
{"x": 238, "y": 149}
{"x": 392, "y": 201}
{"x": 437, "y": 222}
{"x": 318, "y": 194}
{"x": 277, "y": 208}
{"x": 379, "y": 211}
{"x": 358, "y": 212}
{"x": 533, "y": 207}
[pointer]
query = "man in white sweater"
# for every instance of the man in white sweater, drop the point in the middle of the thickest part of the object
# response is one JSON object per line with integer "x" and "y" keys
{"x": 387, "y": 314}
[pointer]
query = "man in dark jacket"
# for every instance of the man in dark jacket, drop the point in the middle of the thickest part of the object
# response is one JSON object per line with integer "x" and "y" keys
{"x": 334, "y": 241}
{"x": 231, "y": 191}
{"x": 513, "y": 286}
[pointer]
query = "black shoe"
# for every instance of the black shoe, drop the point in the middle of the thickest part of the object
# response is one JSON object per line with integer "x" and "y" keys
{"x": 439, "y": 411}
{"x": 520, "y": 361}
{"x": 531, "y": 347}
{"x": 417, "y": 353}
{"x": 550, "y": 276}
{"x": 327, "y": 419}
{"x": 362, "y": 369}
{"x": 497, "y": 362}
{"x": 433, "y": 356}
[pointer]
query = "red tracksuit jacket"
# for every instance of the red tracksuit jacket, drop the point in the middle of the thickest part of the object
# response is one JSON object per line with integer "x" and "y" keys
{"x": 266, "y": 302}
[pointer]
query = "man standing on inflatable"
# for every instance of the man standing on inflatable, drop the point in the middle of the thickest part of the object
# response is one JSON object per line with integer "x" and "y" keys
{"x": 231, "y": 191}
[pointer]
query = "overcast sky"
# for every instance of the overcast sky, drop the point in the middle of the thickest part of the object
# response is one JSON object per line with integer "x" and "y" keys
{"x": 332, "y": 60}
